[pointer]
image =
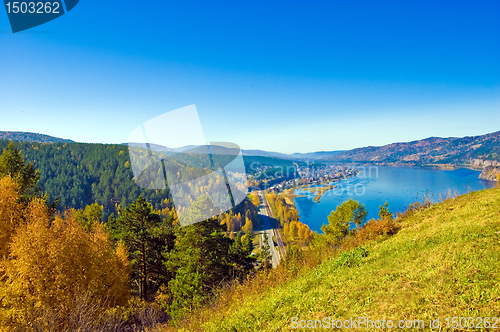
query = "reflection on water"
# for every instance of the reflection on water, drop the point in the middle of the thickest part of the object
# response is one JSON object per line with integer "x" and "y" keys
{"x": 397, "y": 185}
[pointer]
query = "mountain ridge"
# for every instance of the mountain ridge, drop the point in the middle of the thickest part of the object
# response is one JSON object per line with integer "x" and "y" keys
{"x": 431, "y": 150}
{"x": 479, "y": 152}
{"x": 297, "y": 155}
{"x": 32, "y": 137}
{"x": 42, "y": 138}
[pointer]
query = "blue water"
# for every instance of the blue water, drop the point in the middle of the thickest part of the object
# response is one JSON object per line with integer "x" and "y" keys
{"x": 399, "y": 186}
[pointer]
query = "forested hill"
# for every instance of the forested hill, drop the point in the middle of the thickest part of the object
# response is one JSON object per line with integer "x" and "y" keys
{"x": 476, "y": 151}
{"x": 31, "y": 137}
{"x": 82, "y": 173}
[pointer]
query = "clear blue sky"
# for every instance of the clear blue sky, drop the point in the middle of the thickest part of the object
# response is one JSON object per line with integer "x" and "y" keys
{"x": 286, "y": 76}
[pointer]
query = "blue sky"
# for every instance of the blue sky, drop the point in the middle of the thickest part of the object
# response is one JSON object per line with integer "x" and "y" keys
{"x": 284, "y": 76}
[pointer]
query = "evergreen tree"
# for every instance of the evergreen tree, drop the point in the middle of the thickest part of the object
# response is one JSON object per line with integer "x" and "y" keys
{"x": 12, "y": 164}
{"x": 147, "y": 237}
{"x": 202, "y": 260}
{"x": 265, "y": 255}
{"x": 237, "y": 247}
{"x": 247, "y": 244}
{"x": 384, "y": 212}
{"x": 25, "y": 176}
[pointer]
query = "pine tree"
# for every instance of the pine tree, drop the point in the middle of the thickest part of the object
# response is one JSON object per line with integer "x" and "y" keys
{"x": 266, "y": 257}
{"x": 247, "y": 244}
{"x": 147, "y": 237}
{"x": 203, "y": 258}
{"x": 384, "y": 212}
{"x": 26, "y": 177}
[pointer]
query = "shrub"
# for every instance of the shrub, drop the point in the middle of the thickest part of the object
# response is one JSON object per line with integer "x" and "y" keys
{"x": 351, "y": 258}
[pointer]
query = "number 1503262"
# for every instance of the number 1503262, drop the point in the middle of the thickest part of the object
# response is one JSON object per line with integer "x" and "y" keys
{"x": 33, "y": 7}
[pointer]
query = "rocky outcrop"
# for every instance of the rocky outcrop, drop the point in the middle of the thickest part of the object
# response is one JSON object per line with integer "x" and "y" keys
{"x": 490, "y": 173}
{"x": 485, "y": 163}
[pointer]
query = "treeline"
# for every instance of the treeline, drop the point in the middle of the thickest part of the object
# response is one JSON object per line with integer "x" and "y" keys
{"x": 294, "y": 231}
{"x": 62, "y": 269}
{"x": 245, "y": 218}
{"x": 80, "y": 174}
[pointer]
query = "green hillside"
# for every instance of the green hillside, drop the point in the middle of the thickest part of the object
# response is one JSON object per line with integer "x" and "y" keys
{"x": 443, "y": 262}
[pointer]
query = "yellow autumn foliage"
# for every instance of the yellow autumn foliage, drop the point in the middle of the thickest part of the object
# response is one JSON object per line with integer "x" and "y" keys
{"x": 53, "y": 262}
{"x": 10, "y": 213}
{"x": 254, "y": 197}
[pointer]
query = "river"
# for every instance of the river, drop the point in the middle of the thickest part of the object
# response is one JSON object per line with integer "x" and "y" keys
{"x": 399, "y": 186}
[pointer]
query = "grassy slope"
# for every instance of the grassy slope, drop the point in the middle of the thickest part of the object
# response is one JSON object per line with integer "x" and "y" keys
{"x": 445, "y": 261}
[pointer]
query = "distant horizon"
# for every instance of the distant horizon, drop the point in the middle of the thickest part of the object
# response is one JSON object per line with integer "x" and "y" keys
{"x": 282, "y": 76}
{"x": 245, "y": 149}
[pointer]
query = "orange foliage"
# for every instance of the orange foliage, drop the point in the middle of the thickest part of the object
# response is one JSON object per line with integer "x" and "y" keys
{"x": 370, "y": 231}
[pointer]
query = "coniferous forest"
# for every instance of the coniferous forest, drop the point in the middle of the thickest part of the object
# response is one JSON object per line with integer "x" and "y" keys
{"x": 80, "y": 174}
{"x": 79, "y": 238}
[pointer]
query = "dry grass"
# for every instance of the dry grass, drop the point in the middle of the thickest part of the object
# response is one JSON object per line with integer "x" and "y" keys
{"x": 91, "y": 315}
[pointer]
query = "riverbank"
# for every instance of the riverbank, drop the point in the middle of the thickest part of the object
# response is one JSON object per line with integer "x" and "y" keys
{"x": 400, "y": 186}
{"x": 490, "y": 169}
{"x": 319, "y": 191}
{"x": 289, "y": 194}
{"x": 386, "y": 268}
